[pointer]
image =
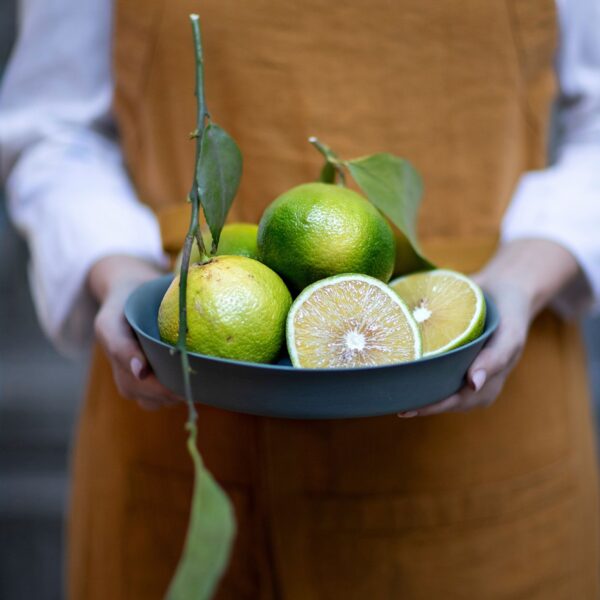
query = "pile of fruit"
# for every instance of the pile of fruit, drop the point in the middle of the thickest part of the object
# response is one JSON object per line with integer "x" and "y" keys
{"x": 335, "y": 253}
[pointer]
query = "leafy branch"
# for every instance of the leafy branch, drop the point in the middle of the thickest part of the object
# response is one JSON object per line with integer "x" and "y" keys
{"x": 201, "y": 117}
{"x": 391, "y": 183}
{"x": 215, "y": 182}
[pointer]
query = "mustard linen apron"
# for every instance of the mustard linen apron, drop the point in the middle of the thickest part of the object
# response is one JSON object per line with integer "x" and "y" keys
{"x": 494, "y": 504}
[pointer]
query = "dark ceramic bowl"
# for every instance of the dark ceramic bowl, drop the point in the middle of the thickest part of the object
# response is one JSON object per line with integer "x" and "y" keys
{"x": 280, "y": 390}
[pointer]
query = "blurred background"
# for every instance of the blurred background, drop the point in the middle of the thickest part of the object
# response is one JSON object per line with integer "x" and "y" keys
{"x": 39, "y": 397}
{"x": 40, "y": 394}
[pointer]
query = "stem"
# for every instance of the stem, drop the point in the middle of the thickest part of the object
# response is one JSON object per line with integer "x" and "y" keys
{"x": 194, "y": 228}
{"x": 181, "y": 339}
{"x": 201, "y": 116}
{"x": 200, "y": 242}
{"x": 331, "y": 157}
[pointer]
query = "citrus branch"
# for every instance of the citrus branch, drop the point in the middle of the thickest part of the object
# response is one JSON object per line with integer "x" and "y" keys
{"x": 181, "y": 339}
{"x": 201, "y": 116}
{"x": 331, "y": 157}
{"x": 194, "y": 228}
{"x": 212, "y": 519}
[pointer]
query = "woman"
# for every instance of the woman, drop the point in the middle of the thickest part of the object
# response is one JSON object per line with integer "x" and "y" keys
{"x": 495, "y": 503}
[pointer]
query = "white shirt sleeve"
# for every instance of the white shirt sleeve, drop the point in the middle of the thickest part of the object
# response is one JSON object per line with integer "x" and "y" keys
{"x": 67, "y": 188}
{"x": 562, "y": 203}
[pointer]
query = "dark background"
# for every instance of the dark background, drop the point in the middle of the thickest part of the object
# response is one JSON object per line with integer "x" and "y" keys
{"x": 40, "y": 394}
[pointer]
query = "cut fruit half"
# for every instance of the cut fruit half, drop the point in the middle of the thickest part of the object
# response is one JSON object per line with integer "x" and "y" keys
{"x": 349, "y": 321}
{"x": 448, "y": 306}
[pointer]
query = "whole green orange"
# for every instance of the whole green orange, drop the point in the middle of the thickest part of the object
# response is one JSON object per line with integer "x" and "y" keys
{"x": 236, "y": 308}
{"x": 317, "y": 230}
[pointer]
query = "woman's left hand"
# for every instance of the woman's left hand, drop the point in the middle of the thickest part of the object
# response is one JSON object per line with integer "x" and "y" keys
{"x": 522, "y": 278}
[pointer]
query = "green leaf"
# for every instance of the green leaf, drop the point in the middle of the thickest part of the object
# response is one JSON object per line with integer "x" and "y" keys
{"x": 209, "y": 538}
{"x": 327, "y": 173}
{"x": 394, "y": 186}
{"x": 218, "y": 175}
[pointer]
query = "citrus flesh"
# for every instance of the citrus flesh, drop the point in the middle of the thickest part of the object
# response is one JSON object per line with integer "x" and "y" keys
{"x": 448, "y": 306}
{"x": 236, "y": 308}
{"x": 237, "y": 239}
{"x": 317, "y": 230}
{"x": 350, "y": 321}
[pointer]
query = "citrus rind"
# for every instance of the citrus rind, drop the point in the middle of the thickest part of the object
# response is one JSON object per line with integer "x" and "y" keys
{"x": 415, "y": 352}
{"x": 477, "y": 322}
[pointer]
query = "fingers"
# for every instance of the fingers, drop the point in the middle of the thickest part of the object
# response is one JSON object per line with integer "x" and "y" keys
{"x": 486, "y": 376}
{"x": 434, "y": 409}
{"x": 132, "y": 373}
{"x": 118, "y": 340}
{"x": 500, "y": 355}
{"x": 464, "y": 400}
{"x": 149, "y": 393}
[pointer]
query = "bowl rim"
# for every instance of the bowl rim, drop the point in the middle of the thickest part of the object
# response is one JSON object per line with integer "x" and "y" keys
{"x": 490, "y": 326}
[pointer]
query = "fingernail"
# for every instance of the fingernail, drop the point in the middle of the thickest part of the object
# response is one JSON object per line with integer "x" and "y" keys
{"x": 137, "y": 368}
{"x": 409, "y": 414}
{"x": 478, "y": 379}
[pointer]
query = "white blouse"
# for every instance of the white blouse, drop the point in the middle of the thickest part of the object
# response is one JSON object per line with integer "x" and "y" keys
{"x": 70, "y": 196}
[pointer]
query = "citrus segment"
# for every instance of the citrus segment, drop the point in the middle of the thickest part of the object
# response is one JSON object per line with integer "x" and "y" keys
{"x": 448, "y": 306}
{"x": 350, "y": 321}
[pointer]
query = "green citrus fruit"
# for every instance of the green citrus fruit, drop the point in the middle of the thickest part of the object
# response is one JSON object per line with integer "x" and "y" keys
{"x": 350, "y": 321}
{"x": 236, "y": 308}
{"x": 317, "y": 230}
{"x": 407, "y": 260}
{"x": 237, "y": 239}
{"x": 448, "y": 306}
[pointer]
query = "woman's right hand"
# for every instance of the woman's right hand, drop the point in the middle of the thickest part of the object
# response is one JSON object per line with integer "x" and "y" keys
{"x": 111, "y": 279}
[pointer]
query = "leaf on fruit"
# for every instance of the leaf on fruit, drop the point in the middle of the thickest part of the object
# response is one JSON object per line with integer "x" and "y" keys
{"x": 209, "y": 537}
{"x": 394, "y": 186}
{"x": 218, "y": 174}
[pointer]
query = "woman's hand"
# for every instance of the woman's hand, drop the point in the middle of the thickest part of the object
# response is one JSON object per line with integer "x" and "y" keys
{"x": 522, "y": 278}
{"x": 111, "y": 280}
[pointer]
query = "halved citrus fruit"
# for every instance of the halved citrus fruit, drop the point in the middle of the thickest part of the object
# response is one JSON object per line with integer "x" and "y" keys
{"x": 350, "y": 321}
{"x": 448, "y": 306}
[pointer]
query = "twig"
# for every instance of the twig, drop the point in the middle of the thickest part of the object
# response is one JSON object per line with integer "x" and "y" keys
{"x": 331, "y": 157}
{"x": 193, "y": 230}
